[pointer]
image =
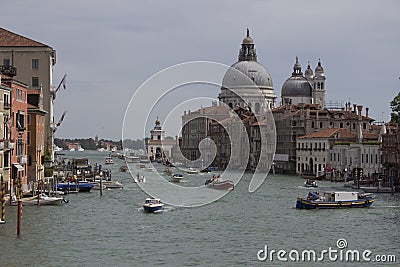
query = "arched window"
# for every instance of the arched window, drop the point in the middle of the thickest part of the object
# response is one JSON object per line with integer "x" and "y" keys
{"x": 257, "y": 108}
{"x": 230, "y": 105}
{"x": 322, "y": 85}
{"x": 319, "y": 85}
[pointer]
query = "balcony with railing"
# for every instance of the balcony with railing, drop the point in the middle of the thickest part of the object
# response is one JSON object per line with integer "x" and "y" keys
{"x": 7, "y": 105}
{"x": 22, "y": 159}
{"x": 6, "y": 144}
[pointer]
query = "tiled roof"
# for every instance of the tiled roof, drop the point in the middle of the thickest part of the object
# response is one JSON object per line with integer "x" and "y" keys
{"x": 324, "y": 133}
{"x": 10, "y": 39}
{"x": 342, "y": 134}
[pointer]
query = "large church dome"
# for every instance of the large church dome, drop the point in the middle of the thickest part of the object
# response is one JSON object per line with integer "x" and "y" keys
{"x": 252, "y": 69}
{"x": 247, "y": 83}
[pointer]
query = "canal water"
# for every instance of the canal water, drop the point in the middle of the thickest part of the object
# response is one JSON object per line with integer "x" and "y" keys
{"x": 94, "y": 230}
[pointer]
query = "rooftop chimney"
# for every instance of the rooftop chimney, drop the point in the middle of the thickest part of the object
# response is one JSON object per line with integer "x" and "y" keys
{"x": 366, "y": 112}
{"x": 359, "y": 110}
{"x": 354, "y": 108}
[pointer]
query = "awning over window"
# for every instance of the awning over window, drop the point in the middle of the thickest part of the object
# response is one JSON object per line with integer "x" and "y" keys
{"x": 18, "y": 166}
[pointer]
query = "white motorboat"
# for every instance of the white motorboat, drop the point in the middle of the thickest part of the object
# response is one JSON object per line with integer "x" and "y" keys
{"x": 177, "y": 178}
{"x": 192, "y": 171}
{"x": 310, "y": 183}
{"x": 153, "y": 205}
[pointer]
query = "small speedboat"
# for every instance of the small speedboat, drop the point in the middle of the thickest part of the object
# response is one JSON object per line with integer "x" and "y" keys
{"x": 177, "y": 178}
{"x": 109, "y": 160}
{"x": 112, "y": 184}
{"x": 123, "y": 168}
{"x": 217, "y": 183}
{"x": 337, "y": 199}
{"x": 310, "y": 183}
{"x": 152, "y": 205}
{"x": 192, "y": 171}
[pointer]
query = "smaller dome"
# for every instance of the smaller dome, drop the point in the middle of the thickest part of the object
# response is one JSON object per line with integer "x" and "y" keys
{"x": 309, "y": 72}
{"x": 248, "y": 39}
{"x": 296, "y": 86}
{"x": 319, "y": 68}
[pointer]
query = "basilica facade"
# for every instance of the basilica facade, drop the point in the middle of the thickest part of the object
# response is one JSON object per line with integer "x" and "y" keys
{"x": 246, "y": 90}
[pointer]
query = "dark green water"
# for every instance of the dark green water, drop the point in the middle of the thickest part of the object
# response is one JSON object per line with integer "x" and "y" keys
{"x": 94, "y": 230}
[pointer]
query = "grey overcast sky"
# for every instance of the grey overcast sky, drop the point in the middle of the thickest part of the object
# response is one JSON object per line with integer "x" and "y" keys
{"x": 108, "y": 48}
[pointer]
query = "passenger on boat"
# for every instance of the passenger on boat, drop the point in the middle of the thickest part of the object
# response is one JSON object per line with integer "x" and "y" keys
{"x": 313, "y": 196}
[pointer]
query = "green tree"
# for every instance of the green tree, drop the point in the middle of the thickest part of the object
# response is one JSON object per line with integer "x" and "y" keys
{"x": 395, "y": 106}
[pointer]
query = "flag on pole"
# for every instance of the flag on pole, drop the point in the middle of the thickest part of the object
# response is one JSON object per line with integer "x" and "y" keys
{"x": 63, "y": 83}
{"x": 61, "y": 119}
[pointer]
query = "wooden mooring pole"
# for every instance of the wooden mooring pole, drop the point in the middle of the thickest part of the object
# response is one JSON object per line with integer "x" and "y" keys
{"x": 101, "y": 185}
{"x": 19, "y": 219}
{"x": 3, "y": 201}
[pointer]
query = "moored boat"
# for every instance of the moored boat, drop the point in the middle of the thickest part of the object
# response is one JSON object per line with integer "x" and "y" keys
{"x": 177, "y": 178}
{"x": 43, "y": 200}
{"x": 377, "y": 189}
{"x": 79, "y": 186}
{"x": 314, "y": 176}
{"x": 152, "y": 205}
{"x": 337, "y": 199}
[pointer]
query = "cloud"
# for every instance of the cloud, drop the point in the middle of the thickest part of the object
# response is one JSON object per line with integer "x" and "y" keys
{"x": 109, "y": 49}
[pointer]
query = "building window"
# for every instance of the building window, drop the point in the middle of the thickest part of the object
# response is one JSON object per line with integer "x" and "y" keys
{"x": 28, "y": 119}
{"x": 364, "y": 126}
{"x": 28, "y": 138}
{"x": 20, "y": 148}
{"x": 18, "y": 95}
{"x": 6, "y": 62}
{"x": 35, "y": 81}
{"x": 20, "y": 120}
{"x": 6, "y": 160}
{"x": 321, "y": 125}
{"x": 35, "y": 63}
{"x": 6, "y": 99}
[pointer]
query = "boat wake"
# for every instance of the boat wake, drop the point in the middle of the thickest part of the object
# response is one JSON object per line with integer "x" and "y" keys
{"x": 166, "y": 209}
